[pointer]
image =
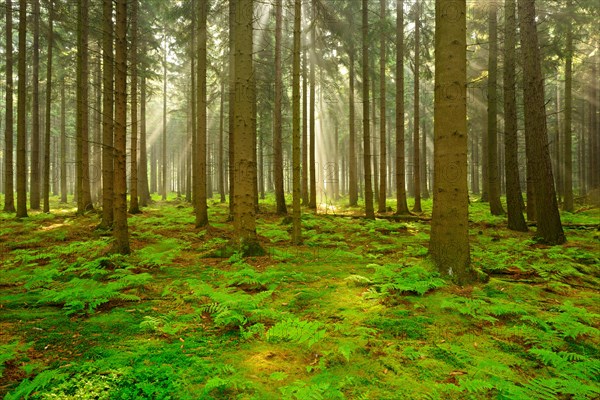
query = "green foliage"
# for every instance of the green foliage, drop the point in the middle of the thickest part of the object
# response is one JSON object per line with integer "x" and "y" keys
{"x": 393, "y": 279}
{"x": 160, "y": 254}
{"x": 296, "y": 331}
{"x": 301, "y": 391}
{"x": 44, "y": 379}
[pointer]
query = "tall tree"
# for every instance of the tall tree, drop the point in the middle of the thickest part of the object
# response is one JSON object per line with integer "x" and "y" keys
{"x": 34, "y": 172}
{"x": 164, "y": 188}
{"x": 200, "y": 207}
{"x": 84, "y": 197}
{"x": 353, "y": 174}
{"x": 277, "y": 134}
{"x": 514, "y": 197}
{"x": 568, "y": 157}
{"x": 296, "y": 212}
{"x": 107, "y": 115}
{"x": 449, "y": 243}
{"x": 549, "y": 227}
{"x": 231, "y": 155}
{"x": 63, "y": 140}
{"x": 369, "y": 211}
{"x": 382, "y": 127}
{"x": 143, "y": 188}
{"x": 312, "y": 203}
{"x": 402, "y": 207}
{"x": 22, "y": 114}
{"x": 134, "y": 207}
{"x": 305, "y": 199}
{"x": 50, "y": 40}
{"x": 9, "y": 196}
{"x": 243, "y": 131}
{"x": 492, "y": 122}
{"x": 416, "y": 115}
{"x": 120, "y": 231}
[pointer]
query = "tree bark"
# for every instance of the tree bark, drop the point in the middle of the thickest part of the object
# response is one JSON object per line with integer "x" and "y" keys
{"x": 120, "y": 232}
{"x": 34, "y": 172}
{"x": 134, "y": 207}
{"x": 492, "y": 122}
{"x": 200, "y": 206}
{"x": 9, "y": 196}
{"x": 449, "y": 243}
{"x": 514, "y": 197}
{"x": 63, "y": 140}
{"x": 416, "y": 116}
{"x": 312, "y": 203}
{"x": 232, "y": 79}
{"x": 22, "y": 114}
{"x": 164, "y": 188}
{"x": 352, "y": 168}
{"x": 296, "y": 211}
{"x": 536, "y": 133}
{"x": 277, "y": 140}
{"x": 382, "y": 126}
{"x": 50, "y": 39}
{"x": 568, "y": 157}
{"x": 221, "y": 165}
{"x": 107, "y": 116}
{"x": 369, "y": 212}
{"x": 402, "y": 206}
{"x": 305, "y": 191}
{"x": 143, "y": 189}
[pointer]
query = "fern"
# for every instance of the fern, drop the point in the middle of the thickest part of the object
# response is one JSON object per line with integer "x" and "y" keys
{"x": 43, "y": 380}
{"x": 414, "y": 279}
{"x": 358, "y": 280}
{"x": 296, "y": 331}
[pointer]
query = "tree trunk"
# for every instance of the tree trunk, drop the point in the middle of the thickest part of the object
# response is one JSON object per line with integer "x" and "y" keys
{"x": 449, "y": 243}
{"x": 296, "y": 211}
{"x": 243, "y": 131}
{"x": 382, "y": 126}
{"x": 232, "y": 79}
{"x": 369, "y": 212}
{"x": 107, "y": 116}
{"x": 424, "y": 172}
{"x": 312, "y": 203}
{"x": 277, "y": 140}
{"x": 9, "y": 196}
{"x": 48, "y": 107}
{"x": 34, "y": 179}
{"x": 143, "y": 189}
{"x": 305, "y": 199}
{"x": 416, "y": 123}
{"x": 492, "y": 122}
{"x": 568, "y": 158}
{"x": 200, "y": 206}
{"x": 134, "y": 207}
{"x": 63, "y": 140}
{"x": 547, "y": 215}
{"x": 22, "y": 114}
{"x": 514, "y": 197}
{"x": 164, "y": 188}
{"x": 221, "y": 165}
{"x": 352, "y": 179}
{"x": 120, "y": 232}
{"x": 402, "y": 206}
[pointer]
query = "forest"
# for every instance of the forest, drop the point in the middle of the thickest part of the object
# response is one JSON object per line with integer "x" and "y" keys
{"x": 300, "y": 199}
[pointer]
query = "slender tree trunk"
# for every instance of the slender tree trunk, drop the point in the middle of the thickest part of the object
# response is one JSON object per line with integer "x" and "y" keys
{"x": 22, "y": 114}
{"x": 514, "y": 197}
{"x": 492, "y": 121}
{"x": 143, "y": 188}
{"x": 416, "y": 115}
{"x": 549, "y": 227}
{"x": 336, "y": 158}
{"x": 63, "y": 140}
{"x": 449, "y": 243}
{"x": 34, "y": 172}
{"x": 120, "y": 232}
{"x": 557, "y": 165}
{"x": 232, "y": 86}
{"x": 382, "y": 118}
{"x": 277, "y": 139}
{"x": 164, "y": 124}
{"x": 352, "y": 179}
{"x": 134, "y": 207}
{"x": 313, "y": 162}
{"x": 107, "y": 116}
{"x": 370, "y": 213}
{"x": 200, "y": 206}
{"x": 424, "y": 172}
{"x": 296, "y": 211}
{"x": 50, "y": 39}
{"x": 402, "y": 207}
{"x": 9, "y": 196}
{"x": 568, "y": 157}
{"x": 305, "y": 199}
{"x": 221, "y": 165}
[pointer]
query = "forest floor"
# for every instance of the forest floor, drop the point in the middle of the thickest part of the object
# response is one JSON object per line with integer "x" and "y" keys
{"x": 356, "y": 312}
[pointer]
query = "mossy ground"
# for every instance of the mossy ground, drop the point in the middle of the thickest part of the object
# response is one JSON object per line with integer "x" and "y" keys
{"x": 356, "y": 312}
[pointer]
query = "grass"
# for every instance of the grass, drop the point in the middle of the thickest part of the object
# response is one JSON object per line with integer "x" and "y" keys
{"x": 357, "y": 312}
